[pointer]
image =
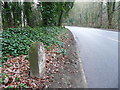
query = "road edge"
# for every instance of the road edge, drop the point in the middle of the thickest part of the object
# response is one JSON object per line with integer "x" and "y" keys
{"x": 80, "y": 62}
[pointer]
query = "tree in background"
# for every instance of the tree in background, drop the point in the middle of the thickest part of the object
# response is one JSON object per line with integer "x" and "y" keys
{"x": 0, "y": 34}
{"x": 48, "y": 13}
{"x": 101, "y": 13}
{"x": 119, "y": 15}
{"x": 6, "y": 15}
{"x": 53, "y": 12}
{"x": 0, "y": 16}
{"x": 63, "y": 8}
{"x": 16, "y": 10}
{"x": 110, "y": 12}
{"x": 15, "y": 14}
{"x": 11, "y": 14}
{"x": 93, "y": 14}
{"x": 27, "y": 12}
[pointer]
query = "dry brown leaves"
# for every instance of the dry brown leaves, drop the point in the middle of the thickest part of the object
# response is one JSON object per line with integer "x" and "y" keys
{"x": 17, "y": 71}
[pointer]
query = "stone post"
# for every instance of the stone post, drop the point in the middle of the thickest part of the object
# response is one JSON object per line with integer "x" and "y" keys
{"x": 37, "y": 59}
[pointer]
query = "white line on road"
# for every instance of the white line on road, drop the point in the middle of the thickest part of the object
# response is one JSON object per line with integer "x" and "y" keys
{"x": 113, "y": 39}
{"x": 108, "y": 38}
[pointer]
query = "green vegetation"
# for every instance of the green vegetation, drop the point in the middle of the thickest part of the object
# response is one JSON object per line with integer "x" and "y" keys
{"x": 18, "y": 14}
{"x": 18, "y": 40}
{"x": 22, "y": 85}
{"x": 26, "y": 22}
{"x": 95, "y": 14}
{"x": 53, "y": 12}
{"x": 4, "y": 76}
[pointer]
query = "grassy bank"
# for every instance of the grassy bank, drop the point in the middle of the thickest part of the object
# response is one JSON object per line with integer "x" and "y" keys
{"x": 16, "y": 44}
{"x": 17, "y": 41}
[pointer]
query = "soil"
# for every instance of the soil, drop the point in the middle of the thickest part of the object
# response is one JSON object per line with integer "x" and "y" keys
{"x": 71, "y": 75}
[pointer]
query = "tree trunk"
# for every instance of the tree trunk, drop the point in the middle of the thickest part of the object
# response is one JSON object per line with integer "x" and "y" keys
{"x": 110, "y": 12}
{"x": 60, "y": 18}
{"x": 119, "y": 16}
{"x": 27, "y": 11}
{"x": 44, "y": 20}
{"x": 7, "y": 17}
{"x": 110, "y": 21}
{"x": 0, "y": 16}
{"x": 0, "y": 33}
{"x": 101, "y": 13}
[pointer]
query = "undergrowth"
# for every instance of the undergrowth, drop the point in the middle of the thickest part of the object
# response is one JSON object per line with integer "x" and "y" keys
{"x": 17, "y": 41}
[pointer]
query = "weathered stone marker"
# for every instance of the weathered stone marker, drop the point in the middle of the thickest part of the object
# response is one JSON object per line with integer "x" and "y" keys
{"x": 37, "y": 59}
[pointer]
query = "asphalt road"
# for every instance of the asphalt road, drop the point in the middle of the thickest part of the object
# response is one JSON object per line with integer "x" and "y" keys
{"x": 99, "y": 55}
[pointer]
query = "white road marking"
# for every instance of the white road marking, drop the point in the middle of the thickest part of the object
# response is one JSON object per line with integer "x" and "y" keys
{"x": 108, "y": 38}
{"x": 113, "y": 39}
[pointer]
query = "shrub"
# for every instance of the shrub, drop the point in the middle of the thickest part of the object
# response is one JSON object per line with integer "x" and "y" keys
{"x": 17, "y": 41}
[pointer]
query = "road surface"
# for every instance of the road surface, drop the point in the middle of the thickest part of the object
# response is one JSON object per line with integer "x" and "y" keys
{"x": 99, "y": 55}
